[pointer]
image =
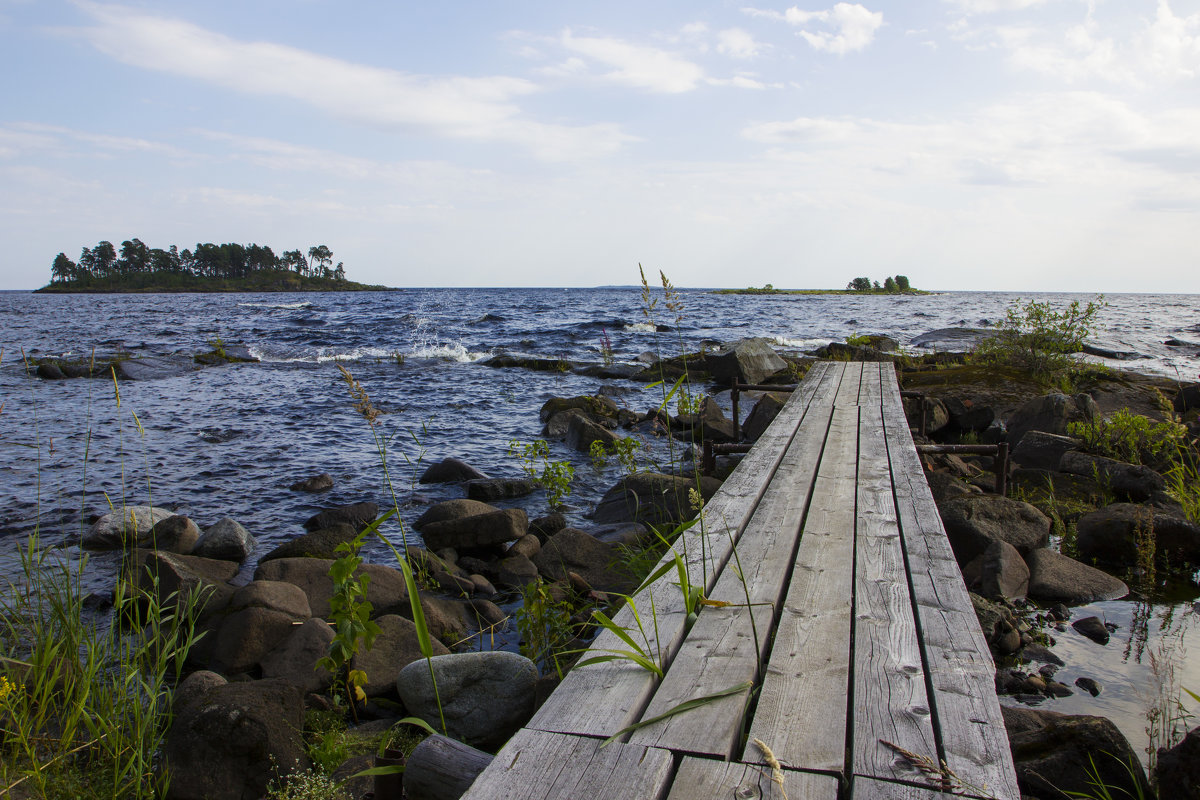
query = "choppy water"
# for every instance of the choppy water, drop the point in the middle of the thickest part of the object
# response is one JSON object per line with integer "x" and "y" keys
{"x": 228, "y": 440}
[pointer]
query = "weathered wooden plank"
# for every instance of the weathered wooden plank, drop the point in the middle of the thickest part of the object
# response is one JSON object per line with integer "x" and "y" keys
{"x": 804, "y": 703}
{"x": 726, "y": 645}
{"x": 601, "y": 699}
{"x": 701, "y": 779}
{"x": 966, "y": 712}
{"x": 890, "y": 701}
{"x": 536, "y": 765}
{"x": 847, "y": 394}
{"x": 870, "y": 789}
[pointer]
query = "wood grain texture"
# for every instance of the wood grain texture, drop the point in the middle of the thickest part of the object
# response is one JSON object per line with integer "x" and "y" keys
{"x": 705, "y": 779}
{"x": 804, "y": 703}
{"x": 890, "y": 701}
{"x": 536, "y": 765}
{"x": 870, "y": 789}
{"x": 966, "y": 711}
{"x": 602, "y": 699}
{"x": 726, "y": 645}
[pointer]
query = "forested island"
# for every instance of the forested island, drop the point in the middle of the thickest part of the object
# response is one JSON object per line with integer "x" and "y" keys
{"x": 209, "y": 267}
{"x": 891, "y": 285}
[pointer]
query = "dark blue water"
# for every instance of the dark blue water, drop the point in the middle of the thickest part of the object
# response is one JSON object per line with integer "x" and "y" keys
{"x": 228, "y": 440}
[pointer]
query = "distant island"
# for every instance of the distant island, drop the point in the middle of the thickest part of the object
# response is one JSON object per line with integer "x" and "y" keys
{"x": 208, "y": 268}
{"x": 891, "y": 285}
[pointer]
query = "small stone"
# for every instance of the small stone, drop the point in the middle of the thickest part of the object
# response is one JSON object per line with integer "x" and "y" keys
{"x": 1089, "y": 685}
{"x": 1093, "y": 628}
{"x": 1056, "y": 689}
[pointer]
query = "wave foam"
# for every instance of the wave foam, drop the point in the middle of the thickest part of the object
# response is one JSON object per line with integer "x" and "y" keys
{"x": 641, "y": 327}
{"x": 292, "y": 306}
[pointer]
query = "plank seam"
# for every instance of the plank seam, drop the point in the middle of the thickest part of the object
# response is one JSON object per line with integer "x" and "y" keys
{"x": 848, "y": 766}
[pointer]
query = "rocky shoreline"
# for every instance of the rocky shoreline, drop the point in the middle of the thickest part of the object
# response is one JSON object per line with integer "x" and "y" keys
{"x": 257, "y": 660}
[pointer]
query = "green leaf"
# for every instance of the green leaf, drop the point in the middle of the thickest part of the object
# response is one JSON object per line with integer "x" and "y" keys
{"x": 686, "y": 705}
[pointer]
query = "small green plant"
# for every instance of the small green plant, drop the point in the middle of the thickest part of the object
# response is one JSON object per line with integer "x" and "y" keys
{"x": 1041, "y": 339}
{"x": 625, "y": 449}
{"x": 689, "y": 403}
{"x": 606, "y": 348}
{"x": 544, "y": 622}
{"x": 553, "y": 476}
{"x": 858, "y": 340}
{"x": 1130, "y": 437}
{"x": 351, "y": 614}
{"x": 1183, "y": 482}
{"x": 218, "y": 346}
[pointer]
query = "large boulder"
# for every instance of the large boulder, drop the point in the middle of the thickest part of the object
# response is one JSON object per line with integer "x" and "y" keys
{"x": 175, "y": 534}
{"x": 452, "y": 509}
{"x": 1177, "y": 772}
{"x": 395, "y": 647}
{"x": 126, "y": 528}
{"x": 582, "y": 432}
{"x": 1054, "y": 752}
{"x": 1051, "y": 413}
{"x": 1111, "y": 535}
{"x": 386, "y": 591}
{"x": 490, "y": 490}
{"x": 571, "y": 550}
{"x": 710, "y": 424}
{"x": 1041, "y": 450}
{"x": 231, "y": 743}
{"x": 358, "y": 515}
{"x": 762, "y": 415}
{"x": 747, "y": 360}
{"x": 171, "y": 578}
{"x": 969, "y": 415}
{"x": 484, "y": 697}
{"x": 287, "y": 598}
{"x": 973, "y": 522}
{"x": 652, "y": 498}
{"x": 295, "y": 658}
{"x": 481, "y": 530}
{"x": 321, "y": 543}
{"x": 227, "y": 540}
{"x": 999, "y": 573}
{"x": 245, "y": 637}
{"x": 1055, "y": 578}
{"x": 451, "y": 470}
{"x": 1134, "y": 481}
{"x": 594, "y": 406}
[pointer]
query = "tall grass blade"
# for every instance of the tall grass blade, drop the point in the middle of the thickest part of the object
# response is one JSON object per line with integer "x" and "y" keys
{"x": 686, "y": 705}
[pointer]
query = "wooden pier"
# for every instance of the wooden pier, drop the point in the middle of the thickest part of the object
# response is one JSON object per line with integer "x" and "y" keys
{"x": 840, "y": 633}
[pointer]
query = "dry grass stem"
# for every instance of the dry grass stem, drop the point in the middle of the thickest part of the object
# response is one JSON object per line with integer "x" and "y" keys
{"x": 773, "y": 763}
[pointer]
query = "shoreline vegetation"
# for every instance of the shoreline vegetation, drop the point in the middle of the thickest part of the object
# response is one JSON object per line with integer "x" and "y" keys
{"x": 227, "y": 267}
{"x": 891, "y": 285}
{"x": 1100, "y": 452}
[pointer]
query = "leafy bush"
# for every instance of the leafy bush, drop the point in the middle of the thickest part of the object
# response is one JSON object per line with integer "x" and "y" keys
{"x": 1038, "y": 338}
{"x": 1130, "y": 437}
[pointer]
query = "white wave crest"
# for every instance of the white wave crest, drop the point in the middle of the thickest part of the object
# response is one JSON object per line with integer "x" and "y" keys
{"x": 302, "y": 304}
{"x": 799, "y": 344}
{"x": 446, "y": 352}
{"x": 641, "y": 327}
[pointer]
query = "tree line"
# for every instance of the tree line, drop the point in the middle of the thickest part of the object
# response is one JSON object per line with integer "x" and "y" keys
{"x": 890, "y": 285}
{"x": 207, "y": 260}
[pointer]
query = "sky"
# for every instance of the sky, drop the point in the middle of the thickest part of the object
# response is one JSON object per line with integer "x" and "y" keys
{"x": 1016, "y": 145}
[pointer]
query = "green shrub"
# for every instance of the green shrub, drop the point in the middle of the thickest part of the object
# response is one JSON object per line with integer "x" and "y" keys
{"x": 1130, "y": 437}
{"x": 1038, "y": 338}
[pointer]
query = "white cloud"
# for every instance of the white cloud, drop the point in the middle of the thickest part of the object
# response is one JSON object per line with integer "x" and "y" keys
{"x": 637, "y": 65}
{"x": 1105, "y": 45}
{"x": 853, "y": 25}
{"x": 737, "y": 43}
{"x": 992, "y": 6}
{"x": 481, "y": 109}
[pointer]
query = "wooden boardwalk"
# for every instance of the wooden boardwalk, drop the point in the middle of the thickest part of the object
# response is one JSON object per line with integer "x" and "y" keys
{"x": 847, "y": 625}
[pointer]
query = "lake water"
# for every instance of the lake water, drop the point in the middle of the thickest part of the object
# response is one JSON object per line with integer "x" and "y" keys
{"x": 229, "y": 440}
